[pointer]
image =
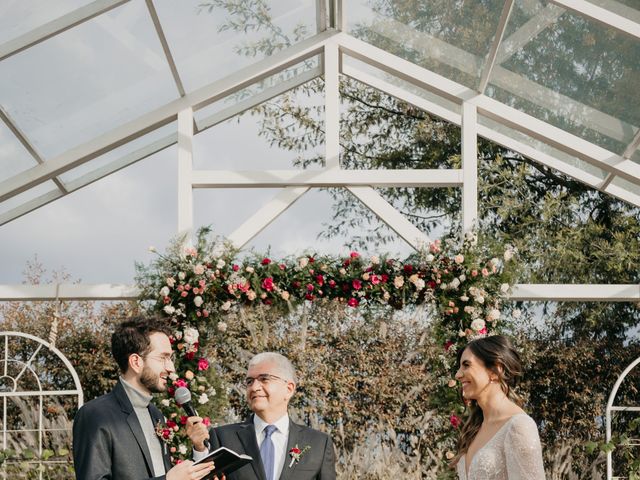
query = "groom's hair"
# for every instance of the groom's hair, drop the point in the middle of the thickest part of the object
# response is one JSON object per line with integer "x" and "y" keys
{"x": 132, "y": 336}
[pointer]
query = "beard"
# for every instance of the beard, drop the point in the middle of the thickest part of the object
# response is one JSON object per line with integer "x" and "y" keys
{"x": 151, "y": 380}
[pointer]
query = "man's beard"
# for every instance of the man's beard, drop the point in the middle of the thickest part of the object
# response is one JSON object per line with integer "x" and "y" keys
{"x": 151, "y": 380}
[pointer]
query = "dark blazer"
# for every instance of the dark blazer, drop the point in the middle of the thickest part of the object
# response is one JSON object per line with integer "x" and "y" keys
{"x": 108, "y": 442}
{"x": 318, "y": 463}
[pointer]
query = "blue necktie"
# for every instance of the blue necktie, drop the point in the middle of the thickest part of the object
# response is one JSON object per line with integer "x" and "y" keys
{"x": 267, "y": 451}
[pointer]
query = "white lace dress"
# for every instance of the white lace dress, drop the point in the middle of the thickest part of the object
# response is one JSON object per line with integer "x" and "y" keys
{"x": 513, "y": 453}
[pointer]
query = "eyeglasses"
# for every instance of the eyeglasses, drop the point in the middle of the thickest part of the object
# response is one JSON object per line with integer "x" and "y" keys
{"x": 165, "y": 359}
{"x": 264, "y": 379}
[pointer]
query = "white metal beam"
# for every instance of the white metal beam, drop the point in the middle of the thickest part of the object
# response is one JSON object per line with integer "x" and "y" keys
{"x": 332, "y": 105}
{"x": 391, "y": 216}
{"x": 185, "y": 167}
{"x": 576, "y": 293}
{"x": 601, "y": 15}
{"x": 325, "y": 178}
{"x": 59, "y": 25}
{"x": 163, "y": 115}
{"x": 495, "y": 46}
{"x": 165, "y": 46}
{"x": 265, "y": 215}
{"x": 521, "y": 292}
{"x": 469, "y": 139}
{"x": 633, "y": 145}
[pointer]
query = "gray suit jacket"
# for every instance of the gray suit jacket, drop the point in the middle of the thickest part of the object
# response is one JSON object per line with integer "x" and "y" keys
{"x": 318, "y": 463}
{"x": 108, "y": 442}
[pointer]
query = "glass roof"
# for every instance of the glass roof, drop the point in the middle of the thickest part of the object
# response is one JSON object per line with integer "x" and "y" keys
{"x": 86, "y": 83}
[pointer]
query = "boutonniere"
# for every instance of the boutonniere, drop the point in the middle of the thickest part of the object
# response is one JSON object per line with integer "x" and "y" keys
{"x": 165, "y": 432}
{"x": 296, "y": 454}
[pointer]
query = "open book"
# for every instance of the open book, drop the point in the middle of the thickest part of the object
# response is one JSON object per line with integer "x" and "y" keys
{"x": 225, "y": 461}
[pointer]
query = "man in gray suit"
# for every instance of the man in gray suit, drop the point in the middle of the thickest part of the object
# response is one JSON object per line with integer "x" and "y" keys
{"x": 281, "y": 449}
{"x": 114, "y": 436}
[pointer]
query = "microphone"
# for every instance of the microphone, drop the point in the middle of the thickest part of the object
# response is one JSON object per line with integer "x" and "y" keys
{"x": 183, "y": 398}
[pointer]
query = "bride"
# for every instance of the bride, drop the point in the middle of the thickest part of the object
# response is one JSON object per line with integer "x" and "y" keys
{"x": 498, "y": 441}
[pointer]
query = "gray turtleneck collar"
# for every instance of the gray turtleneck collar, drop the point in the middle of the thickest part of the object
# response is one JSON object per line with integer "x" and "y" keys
{"x": 138, "y": 399}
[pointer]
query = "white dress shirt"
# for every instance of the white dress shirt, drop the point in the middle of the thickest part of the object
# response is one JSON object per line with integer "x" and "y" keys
{"x": 279, "y": 438}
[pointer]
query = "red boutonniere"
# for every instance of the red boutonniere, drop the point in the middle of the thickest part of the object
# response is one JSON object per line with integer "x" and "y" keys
{"x": 295, "y": 453}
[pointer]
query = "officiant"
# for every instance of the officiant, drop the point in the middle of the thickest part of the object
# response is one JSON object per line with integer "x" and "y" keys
{"x": 281, "y": 448}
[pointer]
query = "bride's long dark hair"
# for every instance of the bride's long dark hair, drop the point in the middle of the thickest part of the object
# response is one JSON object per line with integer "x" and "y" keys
{"x": 498, "y": 355}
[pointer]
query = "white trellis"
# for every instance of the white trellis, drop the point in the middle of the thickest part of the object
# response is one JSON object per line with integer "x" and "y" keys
{"x": 19, "y": 380}
{"x": 619, "y": 408}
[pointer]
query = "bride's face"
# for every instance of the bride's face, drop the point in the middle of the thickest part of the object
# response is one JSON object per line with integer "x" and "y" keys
{"x": 473, "y": 375}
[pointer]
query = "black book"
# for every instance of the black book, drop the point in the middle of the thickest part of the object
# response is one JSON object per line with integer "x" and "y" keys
{"x": 225, "y": 461}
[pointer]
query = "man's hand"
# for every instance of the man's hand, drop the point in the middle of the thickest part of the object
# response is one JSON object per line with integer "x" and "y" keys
{"x": 188, "y": 471}
{"x": 197, "y": 432}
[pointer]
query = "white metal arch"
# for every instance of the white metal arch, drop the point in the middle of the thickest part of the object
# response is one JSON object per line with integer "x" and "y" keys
{"x": 13, "y": 383}
{"x": 612, "y": 408}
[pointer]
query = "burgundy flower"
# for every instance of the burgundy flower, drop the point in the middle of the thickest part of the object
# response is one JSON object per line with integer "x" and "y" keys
{"x": 320, "y": 280}
{"x": 357, "y": 284}
{"x": 353, "y": 302}
{"x": 266, "y": 261}
{"x": 455, "y": 421}
{"x": 408, "y": 268}
{"x": 235, "y": 268}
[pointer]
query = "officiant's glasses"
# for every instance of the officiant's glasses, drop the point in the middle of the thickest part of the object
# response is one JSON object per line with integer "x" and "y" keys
{"x": 165, "y": 359}
{"x": 263, "y": 378}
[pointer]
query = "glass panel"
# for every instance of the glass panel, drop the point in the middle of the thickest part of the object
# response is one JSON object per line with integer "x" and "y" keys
{"x": 170, "y": 130}
{"x": 18, "y": 17}
{"x": 27, "y": 196}
{"x": 382, "y": 132}
{"x": 205, "y": 116}
{"x": 272, "y": 139}
{"x": 570, "y": 72}
{"x": 220, "y": 41}
{"x": 450, "y": 38}
{"x": 629, "y": 9}
{"x": 627, "y": 185}
{"x": 87, "y": 80}
{"x": 405, "y": 85}
{"x": 13, "y": 157}
{"x": 542, "y": 147}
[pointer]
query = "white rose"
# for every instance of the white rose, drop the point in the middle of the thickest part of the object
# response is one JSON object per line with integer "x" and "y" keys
{"x": 375, "y": 260}
{"x": 464, "y": 298}
{"x": 398, "y": 282}
{"x": 169, "y": 310}
{"x": 171, "y": 282}
{"x": 429, "y": 258}
{"x": 468, "y": 309}
{"x": 493, "y": 315}
{"x": 508, "y": 254}
{"x": 220, "y": 264}
{"x": 165, "y": 402}
{"x": 202, "y": 399}
{"x": 419, "y": 284}
{"x": 182, "y": 275}
{"x": 462, "y": 333}
{"x": 342, "y": 271}
{"x": 459, "y": 259}
{"x": 182, "y": 449}
{"x": 222, "y": 326}
{"x": 198, "y": 269}
{"x": 164, "y": 291}
{"x": 504, "y": 288}
{"x": 249, "y": 269}
{"x": 462, "y": 277}
{"x": 303, "y": 262}
{"x": 191, "y": 335}
{"x": 455, "y": 283}
{"x": 479, "y": 299}
{"x": 198, "y": 301}
{"x": 478, "y": 324}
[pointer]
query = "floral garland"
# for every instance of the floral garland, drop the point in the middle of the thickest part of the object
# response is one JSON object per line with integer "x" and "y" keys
{"x": 200, "y": 285}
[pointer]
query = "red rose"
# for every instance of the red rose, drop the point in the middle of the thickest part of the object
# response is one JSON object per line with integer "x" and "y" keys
{"x": 310, "y": 287}
{"x": 384, "y": 277}
{"x": 353, "y": 302}
{"x": 320, "y": 280}
{"x": 375, "y": 279}
{"x": 455, "y": 421}
{"x": 267, "y": 284}
{"x": 356, "y": 284}
{"x": 235, "y": 268}
{"x": 190, "y": 355}
{"x": 408, "y": 268}
{"x": 180, "y": 383}
{"x": 295, "y": 451}
{"x": 171, "y": 423}
{"x": 332, "y": 283}
{"x": 354, "y": 254}
{"x": 183, "y": 419}
{"x": 309, "y": 297}
{"x": 311, "y": 259}
{"x": 265, "y": 261}
{"x": 206, "y": 421}
{"x": 448, "y": 344}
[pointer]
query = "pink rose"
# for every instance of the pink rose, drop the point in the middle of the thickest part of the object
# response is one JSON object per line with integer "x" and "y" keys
{"x": 354, "y": 254}
{"x": 180, "y": 383}
{"x": 357, "y": 284}
{"x": 353, "y": 302}
{"x": 375, "y": 279}
{"x": 203, "y": 364}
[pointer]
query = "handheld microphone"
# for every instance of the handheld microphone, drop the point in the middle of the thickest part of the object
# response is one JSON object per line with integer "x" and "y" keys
{"x": 183, "y": 398}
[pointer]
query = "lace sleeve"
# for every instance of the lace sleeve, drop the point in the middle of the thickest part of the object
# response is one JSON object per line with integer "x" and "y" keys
{"x": 523, "y": 451}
